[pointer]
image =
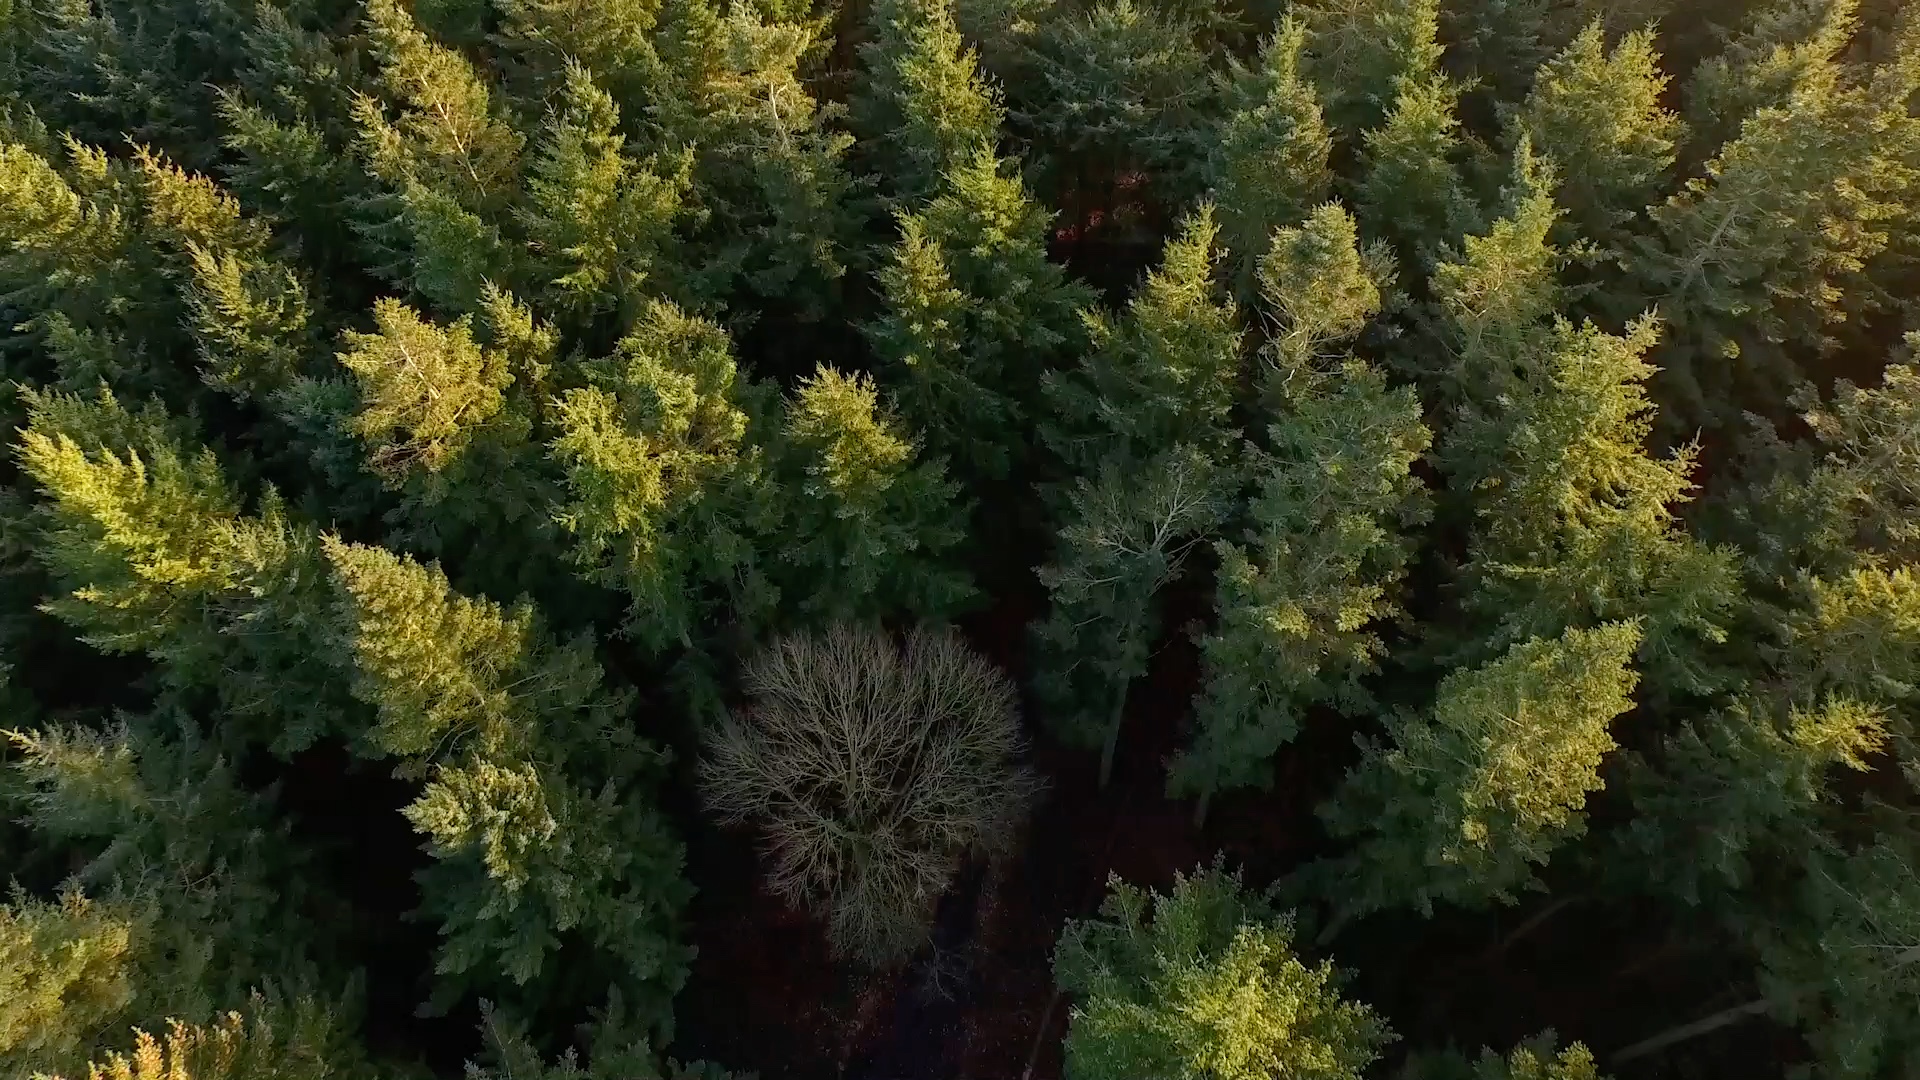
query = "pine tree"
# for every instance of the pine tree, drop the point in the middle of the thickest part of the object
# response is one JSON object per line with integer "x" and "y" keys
{"x": 1412, "y": 194}
{"x": 1496, "y": 299}
{"x": 1775, "y": 246}
{"x": 150, "y": 553}
{"x": 535, "y": 805}
{"x": 1204, "y": 981}
{"x": 924, "y": 107}
{"x": 1735, "y": 790}
{"x": 870, "y": 530}
{"x": 1269, "y": 167}
{"x": 425, "y": 390}
{"x": 68, "y": 971}
{"x": 614, "y": 1051}
{"x": 1466, "y": 801}
{"x": 1575, "y": 519}
{"x": 1127, "y": 534}
{"x": 1597, "y": 116}
{"x": 1146, "y": 415}
{"x": 194, "y": 893}
{"x": 665, "y": 487}
{"x": 613, "y": 40}
{"x": 1365, "y": 54}
{"x": 974, "y": 315}
{"x": 1162, "y": 375}
{"x": 1298, "y": 598}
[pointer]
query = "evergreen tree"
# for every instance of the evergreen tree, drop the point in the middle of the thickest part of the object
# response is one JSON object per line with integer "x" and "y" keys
{"x": 193, "y": 893}
{"x": 665, "y": 488}
{"x": 1121, "y": 90}
{"x": 870, "y": 530}
{"x": 449, "y": 165}
{"x": 1144, "y": 427}
{"x": 1268, "y": 167}
{"x": 1298, "y": 598}
{"x": 1412, "y": 194}
{"x": 1465, "y": 802}
{"x": 149, "y": 551}
{"x": 535, "y": 804}
{"x": 1204, "y": 981}
{"x": 974, "y": 315}
{"x": 925, "y": 107}
{"x": 1320, "y": 289}
{"x": 769, "y": 181}
{"x": 1163, "y": 375}
{"x": 1365, "y": 54}
{"x": 271, "y": 1041}
{"x": 1533, "y": 1059}
{"x": 1771, "y": 249}
{"x": 1758, "y": 65}
{"x": 601, "y": 223}
{"x": 1597, "y": 116}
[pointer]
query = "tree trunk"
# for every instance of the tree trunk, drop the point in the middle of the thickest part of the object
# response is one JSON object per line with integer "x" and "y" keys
{"x": 1535, "y": 922}
{"x": 1327, "y": 933}
{"x": 1113, "y": 736}
{"x": 1690, "y": 1030}
{"x": 1200, "y": 811}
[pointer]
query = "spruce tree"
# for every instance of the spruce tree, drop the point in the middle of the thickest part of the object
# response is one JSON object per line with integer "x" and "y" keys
{"x": 1597, "y": 116}
{"x": 665, "y": 490}
{"x": 1144, "y": 421}
{"x": 1411, "y": 193}
{"x": 448, "y": 164}
{"x": 1163, "y": 374}
{"x": 272, "y": 1040}
{"x": 1268, "y": 167}
{"x": 1119, "y": 90}
{"x": 1204, "y": 981}
{"x": 974, "y": 314}
{"x": 776, "y": 203}
{"x": 1298, "y": 597}
{"x": 870, "y": 530}
{"x": 924, "y": 107}
{"x": 150, "y": 552}
{"x": 600, "y": 221}
{"x": 1365, "y": 54}
{"x": 1533, "y": 1059}
{"x": 1761, "y": 259}
{"x": 1465, "y": 802}
{"x": 535, "y": 803}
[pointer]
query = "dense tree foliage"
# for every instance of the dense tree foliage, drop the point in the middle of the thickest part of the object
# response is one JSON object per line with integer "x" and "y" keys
{"x": 571, "y": 538}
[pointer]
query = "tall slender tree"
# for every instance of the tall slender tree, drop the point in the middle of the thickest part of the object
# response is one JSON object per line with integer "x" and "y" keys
{"x": 1465, "y": 802}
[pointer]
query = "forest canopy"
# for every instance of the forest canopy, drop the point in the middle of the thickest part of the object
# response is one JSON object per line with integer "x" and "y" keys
{"x": 938, "y": 539}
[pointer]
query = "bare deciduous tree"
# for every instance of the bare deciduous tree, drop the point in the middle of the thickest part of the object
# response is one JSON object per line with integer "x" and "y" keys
{"x": 873, "y": 768}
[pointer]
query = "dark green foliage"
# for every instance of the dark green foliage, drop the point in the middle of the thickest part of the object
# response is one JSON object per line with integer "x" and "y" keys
{"x": 429, "y": 416}
{"x": 1269, "y": 166}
